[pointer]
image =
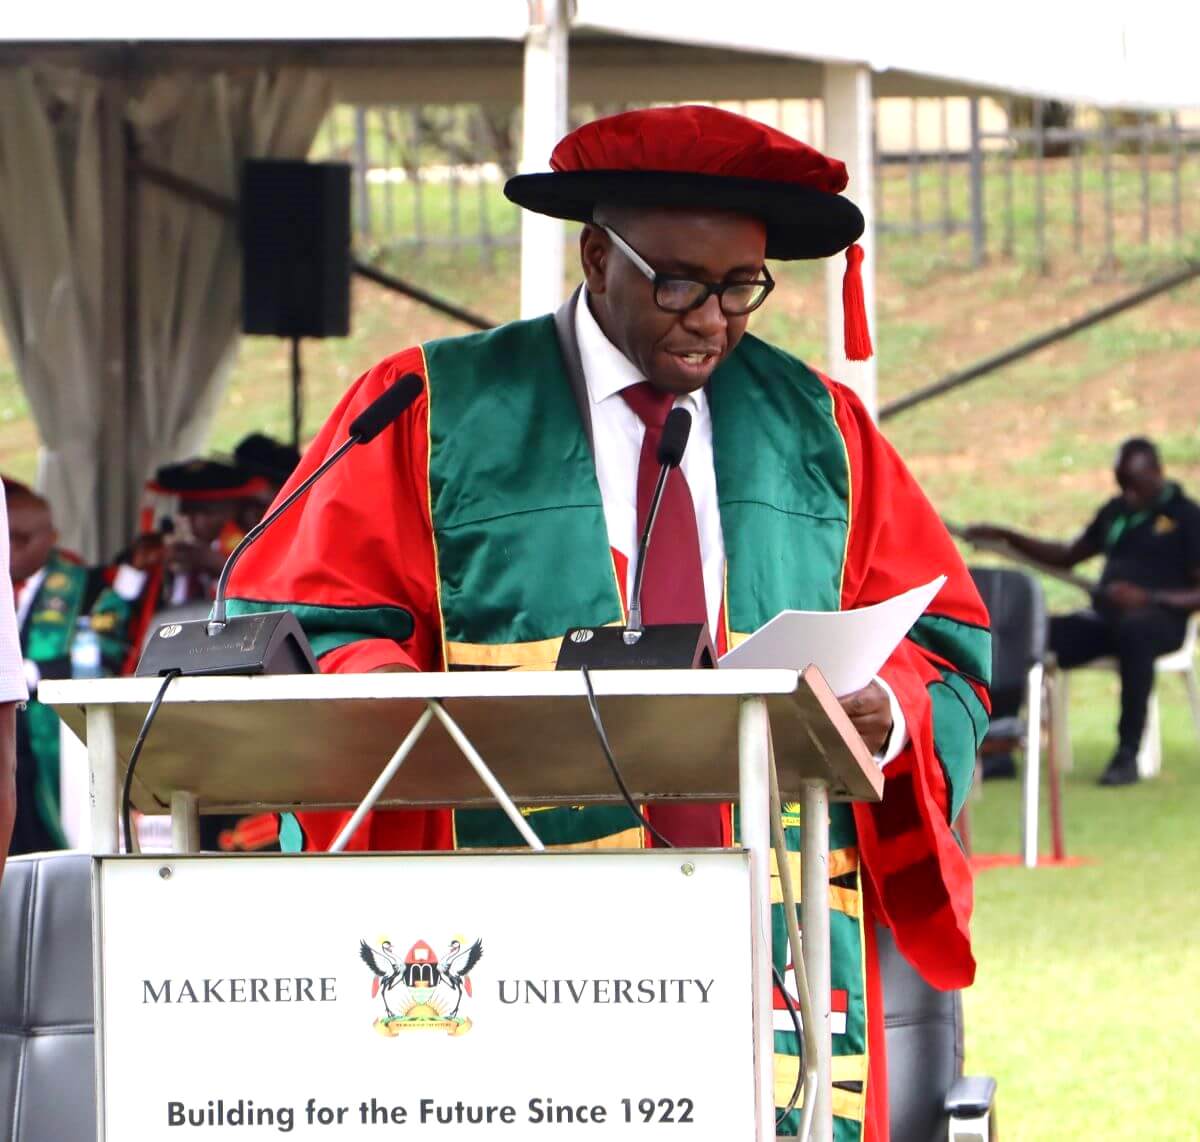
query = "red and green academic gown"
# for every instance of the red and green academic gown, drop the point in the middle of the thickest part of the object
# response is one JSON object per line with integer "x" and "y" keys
{"x": 68, "y": 591}
{"x": 471, "y": 535}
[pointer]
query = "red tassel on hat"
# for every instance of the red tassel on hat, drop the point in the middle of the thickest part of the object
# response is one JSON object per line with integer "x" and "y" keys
{"x": 854, "y": 308}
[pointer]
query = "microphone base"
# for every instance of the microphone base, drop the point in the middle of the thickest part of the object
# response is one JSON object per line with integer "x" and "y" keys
{"x": 267, "y": 643}
{"x": 672, "y": 646}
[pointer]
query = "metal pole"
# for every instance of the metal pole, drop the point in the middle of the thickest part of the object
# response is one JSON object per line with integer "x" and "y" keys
{"x": 418, "y": 184}
{"x": 754, "y": 819}
{"x": 108, "y": 526}
{"x": 1024, "y": 348}
{"x": 185, "y": 822}
{"x": 978, "y": 221}
{"x": 361, "y": 167}
{"x": 381, "y": 782}
{"x": 485, "y": 226}
{"x": 1009, "y": 228}
{"x": 944, "y": 168}
{"x": 387, "y": 127}
{"x": 1033, "y": 772}
{"x": 297, "y": 393}
{"x": 105, "y": 788}
{"x": 1077, "y": 185}
{"x": 1176, "y": 178}
{"x": 914, "y": 167}
{"x": 399, "y": 285}
{"x": 876, "y": 164}
{"x": 1144, "y": 142}
{"x": 543, "y": 123}
{"x": 468, "y": 750}
{"x": 1039, "y": 181}
{"x": 814, "y": 904}
{"x": 1110, "y": 257}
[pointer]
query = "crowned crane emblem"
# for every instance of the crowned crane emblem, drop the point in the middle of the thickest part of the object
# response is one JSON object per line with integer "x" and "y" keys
{"x": 419, "y": 992}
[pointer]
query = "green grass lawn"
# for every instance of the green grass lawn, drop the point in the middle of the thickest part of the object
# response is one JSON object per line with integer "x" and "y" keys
{"x": 1088, "y": 987}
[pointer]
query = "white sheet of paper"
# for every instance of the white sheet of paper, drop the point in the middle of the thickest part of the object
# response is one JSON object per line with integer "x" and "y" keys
{"x": 848, "y": 647}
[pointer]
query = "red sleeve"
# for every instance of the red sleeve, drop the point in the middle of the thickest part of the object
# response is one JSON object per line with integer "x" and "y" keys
{"x": 355, "y": 557}
{"x": 918, "y": 871}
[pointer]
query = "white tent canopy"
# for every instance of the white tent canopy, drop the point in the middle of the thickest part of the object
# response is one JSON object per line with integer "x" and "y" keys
{"x": 121, "y": 312}
{"x": 1110, "y": 53}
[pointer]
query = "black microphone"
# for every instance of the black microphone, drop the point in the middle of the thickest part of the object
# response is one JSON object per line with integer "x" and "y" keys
{"x": 675, "y": 433}
{"x": 635, "y": 646}
{"x": 385, "y": 408}
{"x": 270, "y": 642}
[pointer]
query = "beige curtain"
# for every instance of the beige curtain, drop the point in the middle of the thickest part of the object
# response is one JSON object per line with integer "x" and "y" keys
{"x": 187, "y": 277}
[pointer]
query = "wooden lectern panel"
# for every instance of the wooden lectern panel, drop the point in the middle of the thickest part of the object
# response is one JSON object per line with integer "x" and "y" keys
{"x": 314, "y": 741}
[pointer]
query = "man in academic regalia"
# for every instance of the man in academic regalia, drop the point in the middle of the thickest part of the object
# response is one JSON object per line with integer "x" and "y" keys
{"x": 53, "y": 593}
{"x": 503, "y": 508}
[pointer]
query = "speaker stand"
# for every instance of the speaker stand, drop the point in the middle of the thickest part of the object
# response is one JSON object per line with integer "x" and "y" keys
{"x": 297, "y": 393}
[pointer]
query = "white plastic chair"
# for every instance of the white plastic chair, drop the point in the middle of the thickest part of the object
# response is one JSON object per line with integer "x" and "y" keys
{"x": 1149, "y": 760}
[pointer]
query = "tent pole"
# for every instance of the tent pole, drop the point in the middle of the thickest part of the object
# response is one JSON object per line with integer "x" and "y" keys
{"x": 543, "y": 123}
{"x": 849, "y": 126}
{"x": 116, "y": 307}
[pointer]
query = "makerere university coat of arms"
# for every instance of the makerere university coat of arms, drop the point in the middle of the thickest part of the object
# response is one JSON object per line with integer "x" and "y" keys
{"x": 421, "y": 992}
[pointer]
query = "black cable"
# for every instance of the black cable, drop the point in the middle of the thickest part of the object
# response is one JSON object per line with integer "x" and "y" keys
{"x": 140, "y": 741}
{"x": 775, "y": 972}
{"x": 791, "y": 1007}
{"x": 612, "y": 763}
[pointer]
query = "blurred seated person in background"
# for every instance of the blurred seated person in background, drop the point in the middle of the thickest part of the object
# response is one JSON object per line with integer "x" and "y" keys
{"x": 12, "y": 692}
{"x": 212, "y": 495}
{"x": 220, "y": 502}
{"x": 176, "y": 567}
{"x": 1150, "y": 538}
{"x": 270, "y": 461}
{"x": 61, "y": 608}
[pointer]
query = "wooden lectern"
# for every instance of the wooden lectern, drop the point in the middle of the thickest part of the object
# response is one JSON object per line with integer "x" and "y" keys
{"x": 236, "y": 744}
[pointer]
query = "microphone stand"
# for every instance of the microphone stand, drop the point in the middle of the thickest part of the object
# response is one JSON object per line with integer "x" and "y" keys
{"x": 266, "y": 642}
{"x": 218, "y": 622}
{"x": 635, "y": 646}
{"x": 633, "y": 632}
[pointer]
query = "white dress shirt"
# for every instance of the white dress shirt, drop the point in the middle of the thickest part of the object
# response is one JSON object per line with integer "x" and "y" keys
{"x": 617, "y": 433}
{"x": 12, "y": 666}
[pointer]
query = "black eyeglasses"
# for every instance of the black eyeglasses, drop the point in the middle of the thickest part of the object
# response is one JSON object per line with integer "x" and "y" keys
{"x": 679, "y": 295}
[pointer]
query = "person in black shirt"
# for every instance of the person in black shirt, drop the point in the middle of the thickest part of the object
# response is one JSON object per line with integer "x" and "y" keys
{"x": 1150, "y": 538}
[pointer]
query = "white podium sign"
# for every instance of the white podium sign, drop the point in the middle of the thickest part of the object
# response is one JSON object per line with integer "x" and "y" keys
{"x": 449, "y": 996}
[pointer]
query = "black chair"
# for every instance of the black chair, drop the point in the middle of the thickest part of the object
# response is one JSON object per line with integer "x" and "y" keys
{"x": 929, "y": 1098}
{"x": 1017, "y": 608}
{"x": 47, "y": 1068}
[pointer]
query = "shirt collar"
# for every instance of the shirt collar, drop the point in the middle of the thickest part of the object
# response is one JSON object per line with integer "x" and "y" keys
{"x": 606, "y": 370}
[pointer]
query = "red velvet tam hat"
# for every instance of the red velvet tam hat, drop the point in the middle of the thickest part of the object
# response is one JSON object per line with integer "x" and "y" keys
{"x": 699, "y": 157}
{"x": 206, "y": 481}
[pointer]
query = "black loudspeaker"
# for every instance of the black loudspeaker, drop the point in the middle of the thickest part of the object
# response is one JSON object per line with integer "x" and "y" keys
{"x": 295, "y": 223}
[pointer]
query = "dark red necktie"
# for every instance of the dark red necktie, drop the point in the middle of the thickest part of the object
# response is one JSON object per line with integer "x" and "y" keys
{"x": 672, "y": 587}
{"x": 673, "y": 584}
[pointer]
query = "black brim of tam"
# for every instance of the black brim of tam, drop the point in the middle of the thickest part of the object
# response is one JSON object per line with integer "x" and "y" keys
{"x": 801, "y": 222}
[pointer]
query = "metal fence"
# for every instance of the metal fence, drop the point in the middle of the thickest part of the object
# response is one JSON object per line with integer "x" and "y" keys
{"x": 1041, "y": 184}
{"x": 417, "y": 190}
{"x": 1096, "y": 188}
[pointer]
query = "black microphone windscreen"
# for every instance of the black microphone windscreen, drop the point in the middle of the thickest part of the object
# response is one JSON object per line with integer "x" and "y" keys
{"x": 385, "y": 408}
{"x": 674, "y": 436}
